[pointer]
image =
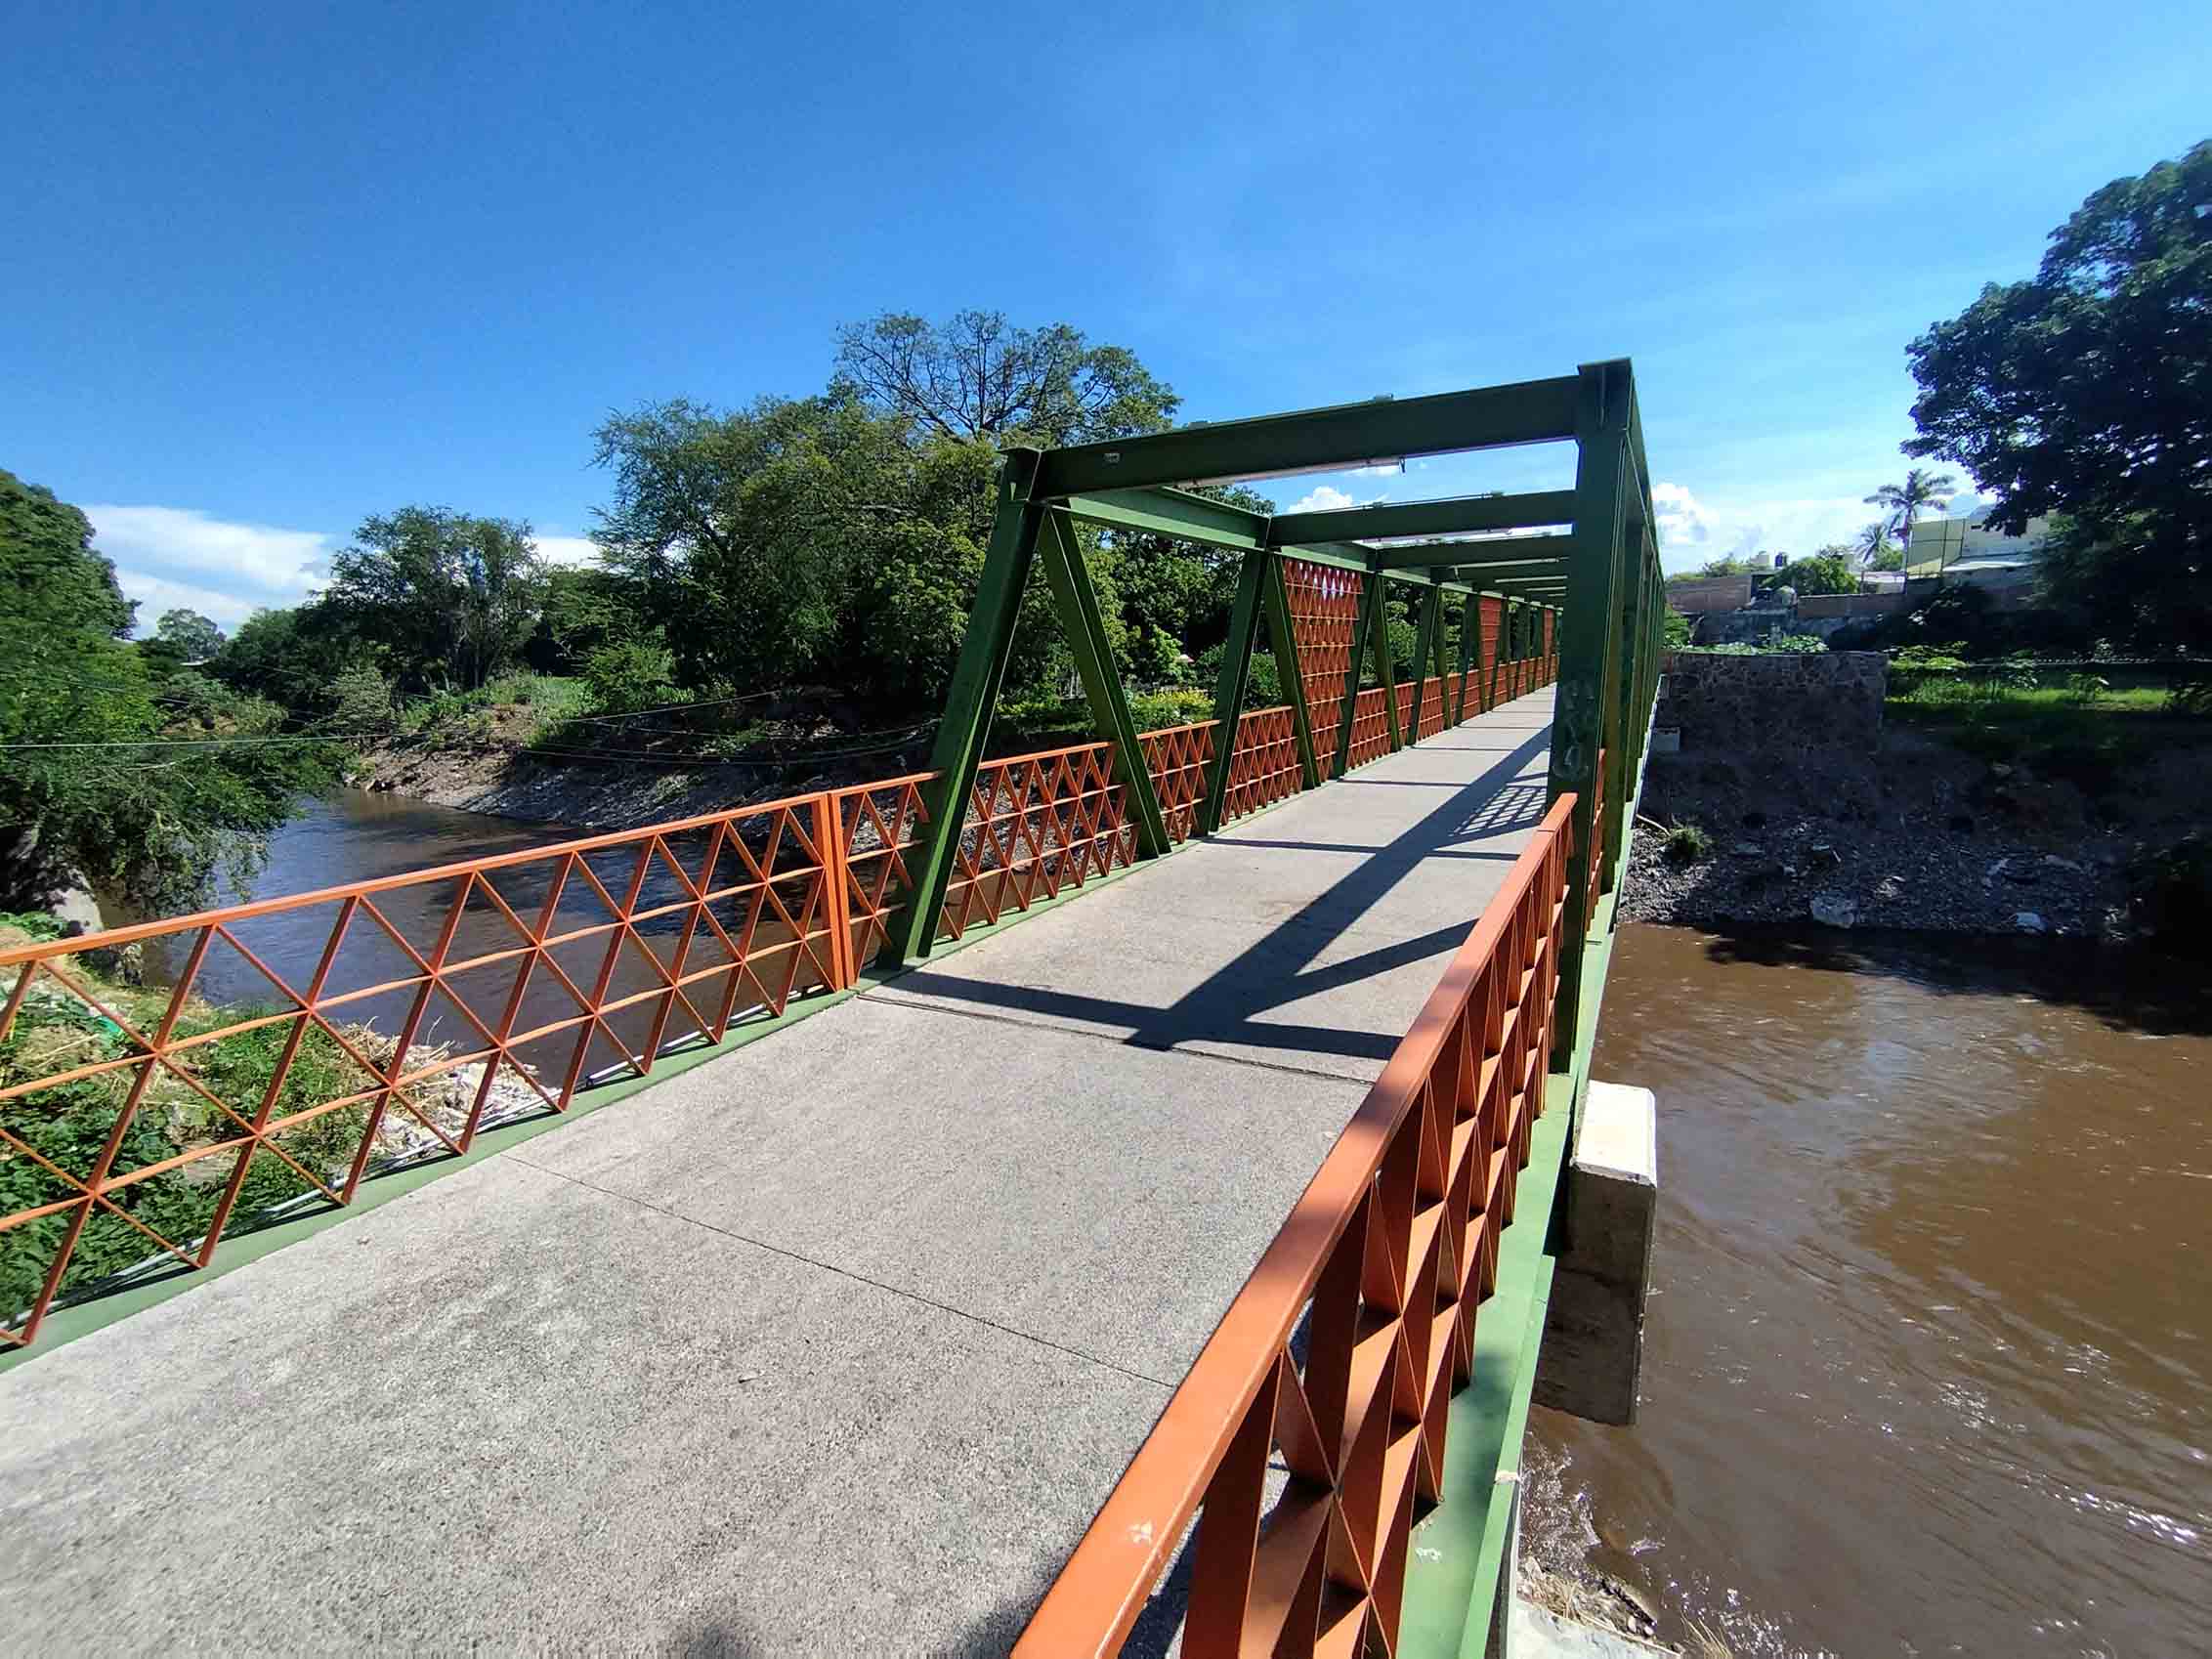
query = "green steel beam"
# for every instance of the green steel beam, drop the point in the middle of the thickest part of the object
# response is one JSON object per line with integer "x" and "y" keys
{"x": 982, "y": 664}
{"x": 1229, "y": 688}
{"x": 1368, "y": 591}
{"x": 1486, "y": 574}
{"x": 1425, "y": 625}
{"x": 1471, "y": 638}
{"x": 1379, "y": 647}
{"x": 1078, "y": 603}
{"x": 1582, "y": 715}
{"x": 1174, "y": 512}
{"x": 1457, "y": 515}
{"x": 1276, "y": 598}
{"x": 1474, "y": 555}
{"x": 1348, "y": 435}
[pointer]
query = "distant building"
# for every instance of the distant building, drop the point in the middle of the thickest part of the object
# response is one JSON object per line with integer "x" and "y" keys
{"x": 1941, "y": 546}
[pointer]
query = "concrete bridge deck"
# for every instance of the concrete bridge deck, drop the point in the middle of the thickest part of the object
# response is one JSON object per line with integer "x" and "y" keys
{"x": 830, "y": 1346}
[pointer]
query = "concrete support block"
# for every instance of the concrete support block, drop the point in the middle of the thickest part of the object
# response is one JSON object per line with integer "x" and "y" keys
{"x": 1594, "y": 1330}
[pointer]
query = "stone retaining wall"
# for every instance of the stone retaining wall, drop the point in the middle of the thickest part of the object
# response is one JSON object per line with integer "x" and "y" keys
{"x": 1727, "y": 705}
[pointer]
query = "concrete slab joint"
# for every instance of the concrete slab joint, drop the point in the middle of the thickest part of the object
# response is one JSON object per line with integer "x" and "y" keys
{"x": 1594, "y": 1330}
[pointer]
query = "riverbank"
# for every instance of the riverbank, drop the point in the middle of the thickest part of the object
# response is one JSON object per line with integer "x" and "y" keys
{"x": 1914, "y": 833}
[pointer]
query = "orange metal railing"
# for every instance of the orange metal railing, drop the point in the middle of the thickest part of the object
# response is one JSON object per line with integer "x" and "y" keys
{"x": 1324, "y": 606}
{"x": 164, "y": 1085}
{"x": 1180, "y": 759}
{"x": 1383, "y": 1263}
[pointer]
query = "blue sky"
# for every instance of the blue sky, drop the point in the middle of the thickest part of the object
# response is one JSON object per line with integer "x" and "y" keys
{"x": 271, "y": 269}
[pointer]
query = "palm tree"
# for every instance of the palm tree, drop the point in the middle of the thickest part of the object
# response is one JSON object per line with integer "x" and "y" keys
{"x": 1903, "y": 501}
{"x": 1873, "y": 541}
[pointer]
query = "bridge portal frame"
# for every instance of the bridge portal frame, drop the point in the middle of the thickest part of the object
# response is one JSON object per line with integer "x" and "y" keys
{"x": 1542, "y": 554}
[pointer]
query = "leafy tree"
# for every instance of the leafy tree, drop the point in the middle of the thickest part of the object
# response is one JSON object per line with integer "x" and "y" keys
{"x": 1876, "y": 551}
{"x": 451, "y": 599}
{"x": 627, "y": 675}
{"x": 1902, "y": 504}
{"x": 91, "y": 788}
{"x": 195, "y": 637}
{"x": 294, "y": 657}
{"x": 734, "y": 529}
{"x": 975, "y": 376}
{"x": 1832, "y": 569}
{"x": 2087, "y": 390}
{"x": 582, "y": 609}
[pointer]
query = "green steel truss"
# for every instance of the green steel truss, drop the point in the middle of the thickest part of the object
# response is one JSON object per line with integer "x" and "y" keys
{"x": 1585, "y": 557}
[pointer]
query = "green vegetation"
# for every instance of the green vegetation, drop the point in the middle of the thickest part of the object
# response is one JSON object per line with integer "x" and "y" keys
{"x": 94, "y": 787}
{"x": 1686, "y": 843}
{"x": 2079, "y": 729}
{"x": 1676, "y": 630}
{"x": 71, "y": 1123}
{"x": 2119, "y": 461}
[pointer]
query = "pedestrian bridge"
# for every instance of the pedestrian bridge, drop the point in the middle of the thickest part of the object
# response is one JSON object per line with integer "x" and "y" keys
{"x": 1148, "y": 1251}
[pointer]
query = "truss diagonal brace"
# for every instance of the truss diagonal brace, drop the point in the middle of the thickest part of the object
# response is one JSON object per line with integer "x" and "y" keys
{"x": 1078, "y": 603}
{"x": 974, "y": 694}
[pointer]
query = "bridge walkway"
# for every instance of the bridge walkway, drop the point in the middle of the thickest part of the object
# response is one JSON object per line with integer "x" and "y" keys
{"x": 829, "y": 1346}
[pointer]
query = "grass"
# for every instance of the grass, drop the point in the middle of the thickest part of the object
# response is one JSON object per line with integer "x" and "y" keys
{"x": 1686, "y": 843}
{"x": 2083, "y": 732}
{"x": 554, "y": 697}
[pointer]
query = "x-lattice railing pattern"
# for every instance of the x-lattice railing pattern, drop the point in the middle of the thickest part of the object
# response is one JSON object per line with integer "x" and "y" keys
{"x": 1324, "y": 605}
{"x": 1382, "y": 1266}
{"x": 467, "y": 997}
{"x": 1178, "y": 759}
{"x": 1264, "y": 768}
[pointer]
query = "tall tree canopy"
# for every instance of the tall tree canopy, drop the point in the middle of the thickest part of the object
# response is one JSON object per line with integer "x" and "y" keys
{"x": 95, "y": 783}
{"x": 813, "y": 538}
{"x": 2087, "y": 390}
{"x": 451, "y": 599}
{"x": 977, "y": 376}
{"x": 195, "y": 637}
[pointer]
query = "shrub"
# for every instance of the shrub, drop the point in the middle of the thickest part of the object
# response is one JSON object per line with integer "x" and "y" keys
{"x": 1686, "y": 843}
{"x": 1798, "y": 645}
{"x": 634, "y": 674}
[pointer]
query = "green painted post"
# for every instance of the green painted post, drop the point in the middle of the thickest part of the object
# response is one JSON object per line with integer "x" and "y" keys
{"x": 1579, "y": 712}
{"x": 977, "y": 676}
{"x": 1369, "y": 585}
{"x": 1379, "y": 645}
{"x": 1621, "y": 758}
{"x": 1471, "y": 638}
{"x": 1229, "y": 688}
{"x": 1423, "y": 626}
{"x": 1288, "y": 671}
{"x": 1078, "y": 603}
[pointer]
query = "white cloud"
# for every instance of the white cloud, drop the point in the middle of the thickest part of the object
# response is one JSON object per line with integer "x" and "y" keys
{"x": 168, "y": 557}
{"x": 1390, "y": 471}
{"x": 170, "y": 543}
{"x": 1322, "y": 498}
{"x": 156, "y": 594}
{"x": 1694, "y": 528}
{"x": 567, "y": 549}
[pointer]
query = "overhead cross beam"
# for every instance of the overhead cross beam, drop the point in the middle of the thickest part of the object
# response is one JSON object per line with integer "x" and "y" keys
{"x": 1500, "y": 550}
{"x": 1460, "y": 515}
{"x": 1348, "y": 435}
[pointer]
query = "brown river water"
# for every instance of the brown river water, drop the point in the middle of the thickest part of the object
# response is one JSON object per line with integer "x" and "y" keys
{"x": 1928, "y": 1362}
{"x": 1929, "y": 1355}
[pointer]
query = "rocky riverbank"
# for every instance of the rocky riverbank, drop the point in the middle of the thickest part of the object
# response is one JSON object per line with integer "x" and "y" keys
{"x": 1912, "y": 834}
